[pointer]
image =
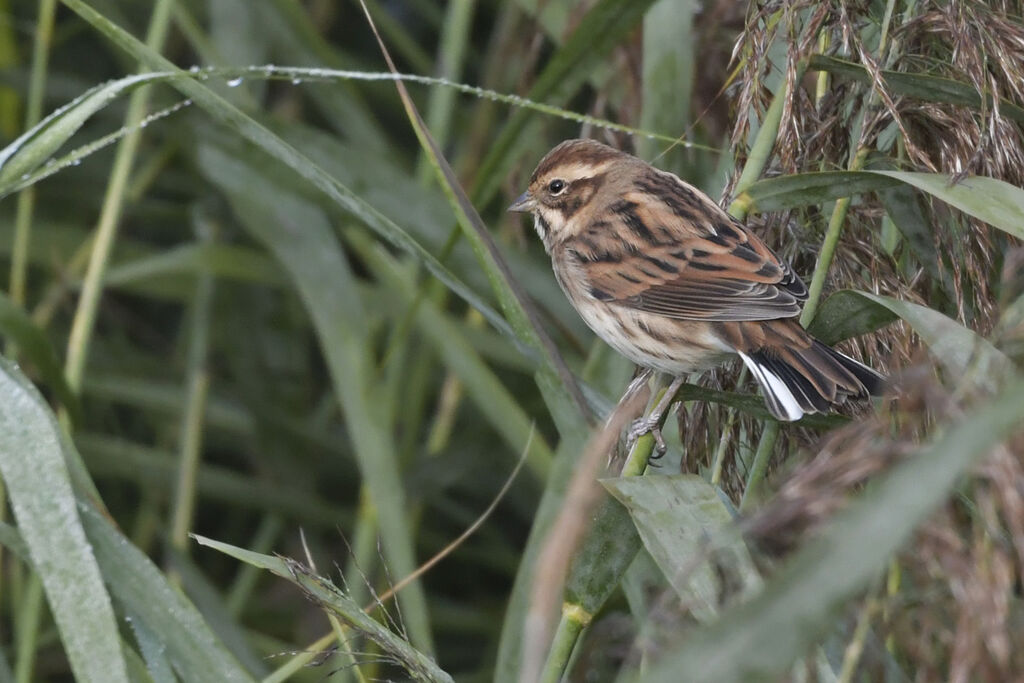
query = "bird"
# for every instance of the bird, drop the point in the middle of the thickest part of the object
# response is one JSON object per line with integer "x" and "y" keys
{"x": 674, "y": 283}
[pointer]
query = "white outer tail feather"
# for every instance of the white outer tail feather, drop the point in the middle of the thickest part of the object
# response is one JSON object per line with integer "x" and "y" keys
{"x": 780, "y": 399}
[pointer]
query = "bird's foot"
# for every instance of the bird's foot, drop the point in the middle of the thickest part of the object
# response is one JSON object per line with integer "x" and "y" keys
{"x": 651, "y": 423}
{"x": 647, "y": 425}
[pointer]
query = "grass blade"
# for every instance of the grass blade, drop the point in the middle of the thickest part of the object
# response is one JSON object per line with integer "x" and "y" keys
{"x": 187, "y": 641}
{"x": 806, "y": 189}
{"x": 847, "y": 314}
{"x": 34, "y": 146}
{"x": 39, "y": 485}
{"x": 321, "y": 591}
{"x": 998, "y": 203}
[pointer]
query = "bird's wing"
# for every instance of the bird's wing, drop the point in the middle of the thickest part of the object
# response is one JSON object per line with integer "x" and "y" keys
{"x": 678, "y": 254}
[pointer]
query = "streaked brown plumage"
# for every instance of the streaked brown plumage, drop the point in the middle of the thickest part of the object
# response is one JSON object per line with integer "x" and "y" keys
{"x": 674, "y": 283}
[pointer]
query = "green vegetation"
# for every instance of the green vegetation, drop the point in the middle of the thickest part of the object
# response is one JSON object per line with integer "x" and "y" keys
{"x": 287, "y": 395}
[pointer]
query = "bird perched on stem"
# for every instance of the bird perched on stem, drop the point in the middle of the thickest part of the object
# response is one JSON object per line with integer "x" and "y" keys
{"x": 675, "y": 284}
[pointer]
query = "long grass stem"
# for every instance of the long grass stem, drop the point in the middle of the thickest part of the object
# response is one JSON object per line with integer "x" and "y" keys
{"x": 33, "y": 112}
{"x": 110, "y": 214}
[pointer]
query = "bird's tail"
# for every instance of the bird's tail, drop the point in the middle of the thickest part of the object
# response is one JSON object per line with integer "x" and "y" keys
{"x": 798, "y": 379}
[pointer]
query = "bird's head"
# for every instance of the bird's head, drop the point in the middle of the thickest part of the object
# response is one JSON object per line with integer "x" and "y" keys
{"x": 563, "y": 186}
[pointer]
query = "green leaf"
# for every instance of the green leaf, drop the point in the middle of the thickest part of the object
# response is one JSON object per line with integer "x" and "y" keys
{"x": 419, "y": 665}
{"x": 847, "y": 314}
{"x": 39, "y": 485}
{"x": 993, "y": 201}
{"x": 921, "y": 86}
{"x": 805, "y": 189}
{"x": 607, "y": 550}
{"x": 761, "y": 639}
{"x": 963, "y": 353}
{"x": 988, "y": 199}
{"x": 676, "y": 516}
{"x": 998, "y": 203}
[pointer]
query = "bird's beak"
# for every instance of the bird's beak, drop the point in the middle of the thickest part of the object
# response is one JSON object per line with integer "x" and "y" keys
{"x": 523, "y": 203}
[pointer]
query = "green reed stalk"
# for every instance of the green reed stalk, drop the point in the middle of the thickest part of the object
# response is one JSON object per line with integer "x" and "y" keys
{"x": 113, "y": 203}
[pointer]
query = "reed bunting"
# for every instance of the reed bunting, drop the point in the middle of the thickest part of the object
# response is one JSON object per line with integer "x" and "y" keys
{"x": 675, "y": 284}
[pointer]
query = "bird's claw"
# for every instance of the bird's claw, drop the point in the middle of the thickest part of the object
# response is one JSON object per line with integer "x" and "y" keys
{"x": 643, "y": 426}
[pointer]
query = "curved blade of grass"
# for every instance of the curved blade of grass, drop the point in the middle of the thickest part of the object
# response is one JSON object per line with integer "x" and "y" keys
{"x": 232, "y": 633}
{"x": 761, "y": 639}
{"x": 34, "y": 346}
{"x": 676, "y": 515}
{"x": 300, "y": 236}
{"x": 151, "y": 647}
{"x": 324, "y": 593}
{"x": 41, "y": 495}
{"x": 517, "y": 307}
{"x": 346, "y": 199}
{"x": 920, "y": 86}
{"x": 33, "y": 147}
{"x": 998, "y": 203}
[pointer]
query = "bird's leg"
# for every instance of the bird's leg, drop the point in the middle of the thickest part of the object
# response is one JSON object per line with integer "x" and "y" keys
{"x": 635, "y": 386}
{"x": 649, "y": 424}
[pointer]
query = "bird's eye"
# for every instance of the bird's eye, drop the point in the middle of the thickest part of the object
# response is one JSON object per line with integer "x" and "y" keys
{"x": 556, "y": 186}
